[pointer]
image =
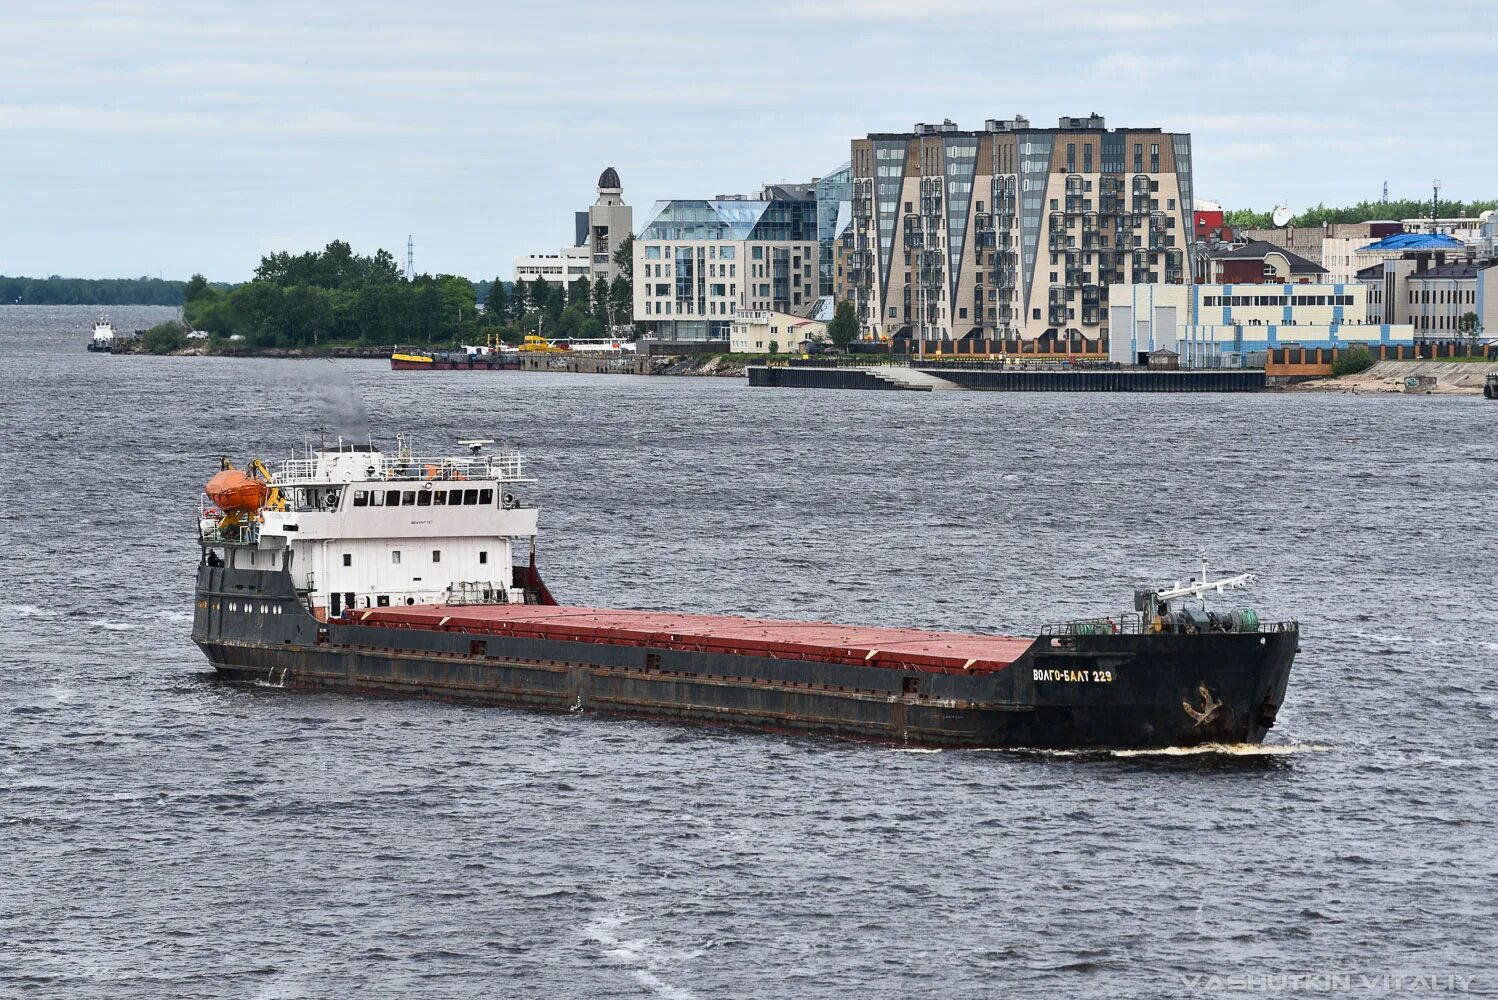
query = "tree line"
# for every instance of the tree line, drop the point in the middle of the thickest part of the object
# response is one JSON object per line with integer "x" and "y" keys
{"x": 335, "y": 296}
{"x": 59, "y": 291}
{"x": 1363, "y": 211}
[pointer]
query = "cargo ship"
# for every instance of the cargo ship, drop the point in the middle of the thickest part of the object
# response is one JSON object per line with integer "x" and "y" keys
{"x": 353, "y": 569}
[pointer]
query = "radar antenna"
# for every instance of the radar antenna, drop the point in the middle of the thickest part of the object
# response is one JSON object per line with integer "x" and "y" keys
{"x": 475, "y": 445}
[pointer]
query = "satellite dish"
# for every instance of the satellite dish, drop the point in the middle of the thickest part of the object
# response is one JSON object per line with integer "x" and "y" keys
{"x": 1282, "y": 215}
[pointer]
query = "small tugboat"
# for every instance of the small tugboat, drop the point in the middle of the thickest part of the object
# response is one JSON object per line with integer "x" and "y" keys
{"x": 1490, "y": 386}
{"x": 399, "y": 574}
{"x": 103, "y": 337}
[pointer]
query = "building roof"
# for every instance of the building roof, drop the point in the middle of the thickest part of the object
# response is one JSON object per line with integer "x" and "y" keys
{"x": 1259, "y": 249}
{"x": 609, "y": 179}
{"x": 1413, "y": 241}
{"x": 1455, "y": 269}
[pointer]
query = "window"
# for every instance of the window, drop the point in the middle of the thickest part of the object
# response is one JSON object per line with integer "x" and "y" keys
{"x": 424, "y": 498}
{"x": 652, "y": 253}
{"x": 470, "y": 497}
{"x": 439, "y": 498}
{"x": 361, "y": 498}
{"x": 395, "y": 557}
{"x": 436, "y": 555}
{"x": 758, "y": 253}
{"x": 393, "y": 498}
{"x": 377, "y": 498}
{"x": 408, "y": 498}
{"x": 383, "y": 601}
{"x": 483, "y": 557}
{"x": 348, "y": 559}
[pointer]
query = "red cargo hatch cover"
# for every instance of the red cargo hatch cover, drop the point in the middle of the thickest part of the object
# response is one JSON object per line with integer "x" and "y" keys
{"x": 947, "y": 652}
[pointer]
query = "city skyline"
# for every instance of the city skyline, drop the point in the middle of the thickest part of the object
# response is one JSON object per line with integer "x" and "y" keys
{"x": 169, "y": 138}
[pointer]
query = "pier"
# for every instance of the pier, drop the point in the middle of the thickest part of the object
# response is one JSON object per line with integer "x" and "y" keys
{"x": 994, "y": 379}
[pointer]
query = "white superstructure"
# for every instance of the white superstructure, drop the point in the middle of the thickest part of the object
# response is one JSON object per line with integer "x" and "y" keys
{"x": 103, "y": 338}
{"x": 358, "y": 528}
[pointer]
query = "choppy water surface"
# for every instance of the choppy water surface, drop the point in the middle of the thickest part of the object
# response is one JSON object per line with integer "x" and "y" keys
{"x": 164, "y": 835}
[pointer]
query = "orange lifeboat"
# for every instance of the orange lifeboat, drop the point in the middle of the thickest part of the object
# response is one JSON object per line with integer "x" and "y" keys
{"x": 234, "y": 492}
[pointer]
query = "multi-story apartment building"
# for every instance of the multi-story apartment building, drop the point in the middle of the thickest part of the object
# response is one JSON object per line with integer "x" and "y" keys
{"x": 1013, "y": 232}
{"x": 699, "y": 263}
{"x": 833, "y": 194}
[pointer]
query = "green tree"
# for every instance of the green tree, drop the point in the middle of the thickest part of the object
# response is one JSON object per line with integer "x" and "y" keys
{"x": 1469, "y": 327}
{"x": 1353, "y": 360}
{"x": 624, "y": 258}
{"x": 579, "y": 291}
{"x": 164, "y": 338}
{"x": 497, "y": 303}
{"x": 843, "y": 329}
{"x": 621, "y": 303}
{"x": 601, "y": 303}
{"x": 774, "y": 347}
{"x": 541, "y": 295}
{"x": 520, "y": 301}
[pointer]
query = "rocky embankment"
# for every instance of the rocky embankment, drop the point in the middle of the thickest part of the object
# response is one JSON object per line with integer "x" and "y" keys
{"x": 1439, "y": 378}
{"x": 711, "y": 365}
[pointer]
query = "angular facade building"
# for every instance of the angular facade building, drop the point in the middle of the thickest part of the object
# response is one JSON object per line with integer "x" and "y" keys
{"x": 1012, "y": 232}
{"x": 699, "y": 263}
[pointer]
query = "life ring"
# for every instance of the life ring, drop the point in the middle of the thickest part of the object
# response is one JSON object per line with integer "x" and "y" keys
{"x": 213, "y": 512}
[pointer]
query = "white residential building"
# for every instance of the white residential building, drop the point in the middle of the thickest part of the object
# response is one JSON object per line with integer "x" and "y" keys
{"x": 754, "y": 330}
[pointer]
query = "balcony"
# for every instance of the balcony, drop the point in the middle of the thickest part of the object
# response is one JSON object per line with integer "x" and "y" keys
{"x": 982, "y": 220}
{"x": 915, "y": 239}
{"x": 986, "y": 239}
{"x": 1058, "y": 242}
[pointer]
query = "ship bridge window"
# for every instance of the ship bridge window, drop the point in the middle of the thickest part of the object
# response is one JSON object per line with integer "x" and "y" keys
{"x": 483, "y": 557}
{"x": 436, "y": 555}
{"x": 486, "y": 497}
{"x": 376, "y": 498}
{"x": 439, "y": 498}
{"x": 408, "y": 498}
{"x": 470, "y": 496}
{"x": 348, "y": 560}
{"x": 424, "y": 498}
{"x": 393, "y": 498}
{"x": 361, "y": 498}
{"x": 395, "y": 557}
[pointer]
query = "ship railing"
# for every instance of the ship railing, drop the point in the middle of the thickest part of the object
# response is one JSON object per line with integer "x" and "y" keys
{"x": 1128, "y": 623}
{"x": 505, "y": 467}
{"x": 1132, "y": 623}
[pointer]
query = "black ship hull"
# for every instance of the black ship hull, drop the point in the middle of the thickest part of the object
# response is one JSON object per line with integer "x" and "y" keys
{"x": 1101, "y": 691}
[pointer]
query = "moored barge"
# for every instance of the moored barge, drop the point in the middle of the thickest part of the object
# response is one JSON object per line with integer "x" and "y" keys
{"x": 402, "y": 575}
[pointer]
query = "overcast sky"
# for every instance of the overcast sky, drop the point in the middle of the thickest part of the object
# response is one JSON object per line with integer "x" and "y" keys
{"x": 173, "y": 136}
